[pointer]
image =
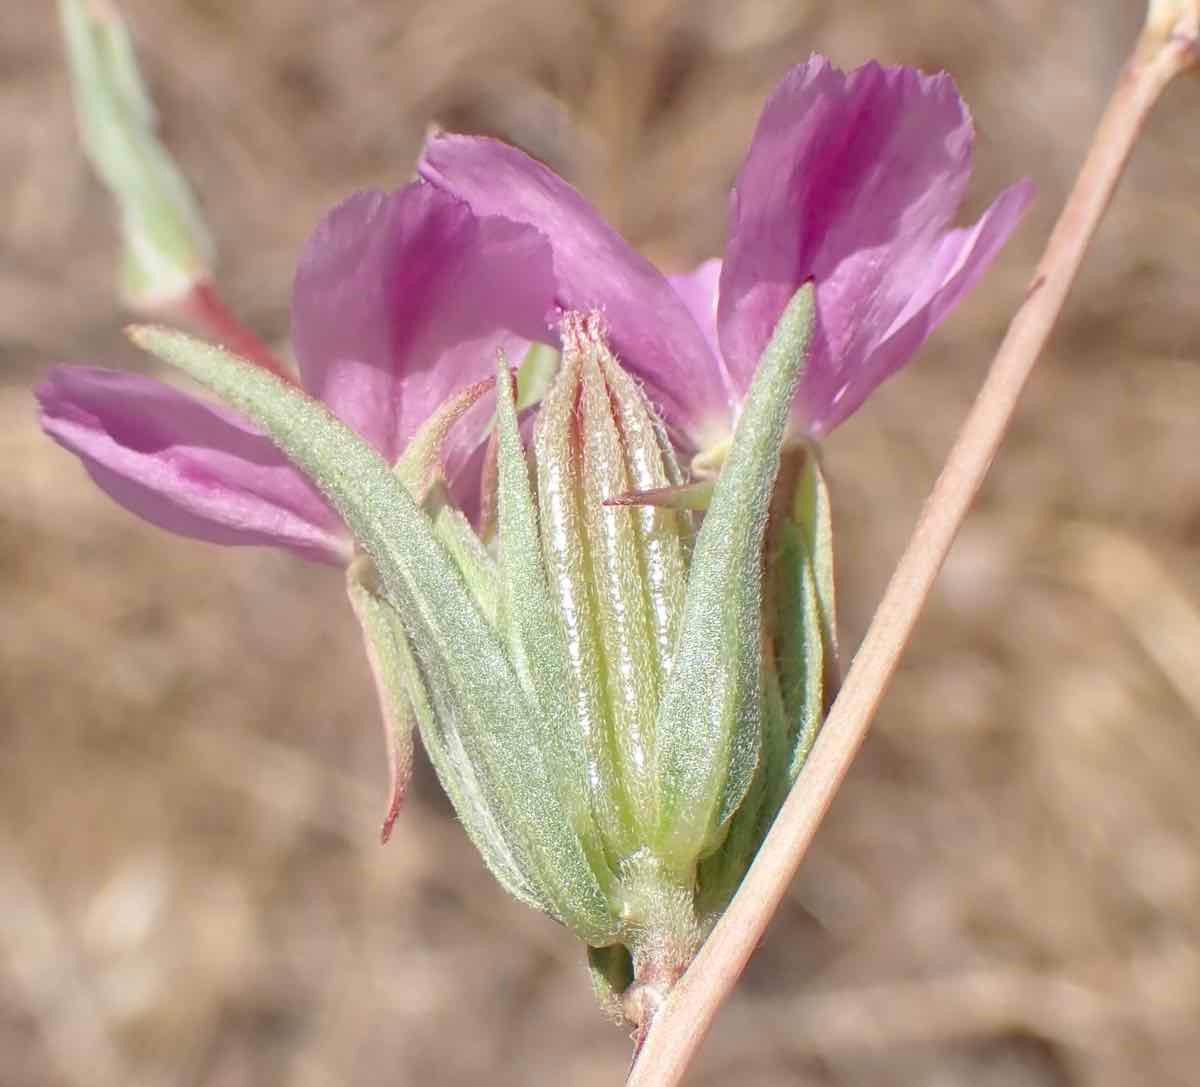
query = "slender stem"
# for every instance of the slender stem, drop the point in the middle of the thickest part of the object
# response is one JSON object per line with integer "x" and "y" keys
{"x": 203, "y": 307}
{"x": 685, "y": 1018}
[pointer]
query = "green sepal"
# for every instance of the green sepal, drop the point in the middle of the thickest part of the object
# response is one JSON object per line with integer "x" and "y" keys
{"x": 474, "y": 562}
{"x": 563, "y": 536}
{"x": 402, "y": 679}
{"x": 630, "y": 664}
{"x": 652, "y": 545}
{"x": 472, "y": 685}
{"x": 802, "y": 613}
{"x": 709, "y": 730}
{"x": 375, "y": 619}
{"x": 420, "y": 465}
{"x": 531, "y": 629}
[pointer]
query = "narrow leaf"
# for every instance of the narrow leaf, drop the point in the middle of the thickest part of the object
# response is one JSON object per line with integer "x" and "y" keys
{"x": 722, "y": 872}
{"x": 812, "y": 512}
{"x": 474, "y": 563}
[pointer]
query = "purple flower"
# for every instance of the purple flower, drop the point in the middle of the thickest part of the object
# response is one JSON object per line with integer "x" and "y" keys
{"x": 851, "y": 180}
{"x": 400, "y": 301}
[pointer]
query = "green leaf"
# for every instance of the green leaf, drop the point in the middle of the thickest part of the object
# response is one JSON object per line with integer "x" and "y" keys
{"x": 800, "y": 652}
{"x": 471, "y": 681}
{"x": 709, "y": 730}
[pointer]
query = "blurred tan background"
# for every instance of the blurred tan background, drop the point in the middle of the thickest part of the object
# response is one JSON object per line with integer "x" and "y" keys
{"x": 1007, "y": 892}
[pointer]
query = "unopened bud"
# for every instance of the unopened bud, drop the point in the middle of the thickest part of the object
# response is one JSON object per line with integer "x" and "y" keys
{"x": 616, "y": 574}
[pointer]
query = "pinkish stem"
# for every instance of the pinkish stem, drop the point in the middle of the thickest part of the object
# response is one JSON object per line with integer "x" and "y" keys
{"x": 203, "y": 307}
{"x": 684, "y": 1019}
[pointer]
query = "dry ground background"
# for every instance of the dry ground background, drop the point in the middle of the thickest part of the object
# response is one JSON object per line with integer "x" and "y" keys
{"x": 1008, "y": 889}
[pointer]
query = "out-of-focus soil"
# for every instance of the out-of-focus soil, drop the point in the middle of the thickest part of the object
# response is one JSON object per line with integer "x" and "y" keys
{"x": 1006, "y": 892}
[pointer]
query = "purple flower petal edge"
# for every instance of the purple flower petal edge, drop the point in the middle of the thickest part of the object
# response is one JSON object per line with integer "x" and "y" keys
{"x": 828, "y": 396}
{"x": 402, "y": 299}
{"x": 650, "y": 328}
{"x": 185, "y": 465}
{"x": 852, "y": 181}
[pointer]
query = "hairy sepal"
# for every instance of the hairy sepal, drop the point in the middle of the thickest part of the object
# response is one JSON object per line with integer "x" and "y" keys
{"x": 420, "y": 465}
{"x": 398, "y": 667}
{"x": 802, "y": 617}
{"x": 563, "y": 535}
{"x": 395, "y": 702}
{"x": 474, "y": 689}
{"x": 709, "y": 729}
{"x": 531, "y": 629}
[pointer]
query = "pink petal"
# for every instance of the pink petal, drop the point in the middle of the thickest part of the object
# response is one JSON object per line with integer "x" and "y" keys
{"x": 829, "y": 395}
{"x": 185, "y": 465}
{"x": 402, "y": 299}
{"x": 651, "y": 330}
{"x": 851, "y": 180}
{"x": 698, "y": 290}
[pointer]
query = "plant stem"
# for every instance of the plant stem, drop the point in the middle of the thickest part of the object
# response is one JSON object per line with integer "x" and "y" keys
{"x": 684, "y": 1020}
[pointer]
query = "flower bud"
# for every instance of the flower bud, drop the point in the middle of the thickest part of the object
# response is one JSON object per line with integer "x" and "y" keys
{"x": 616, "y": 574}
{"x": 675, "y": 725}
{"x": 167, "y": 248}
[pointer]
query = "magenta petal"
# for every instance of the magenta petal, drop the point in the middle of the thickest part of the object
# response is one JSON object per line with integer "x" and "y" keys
{"x": 698, "y": 291}
{"x": 651, "y": 330}
{"x": 186, "y": 465}
{"x": 830, "y": 393}
{"x": 851, "y": 180}
{"x": 402, "y": 299}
